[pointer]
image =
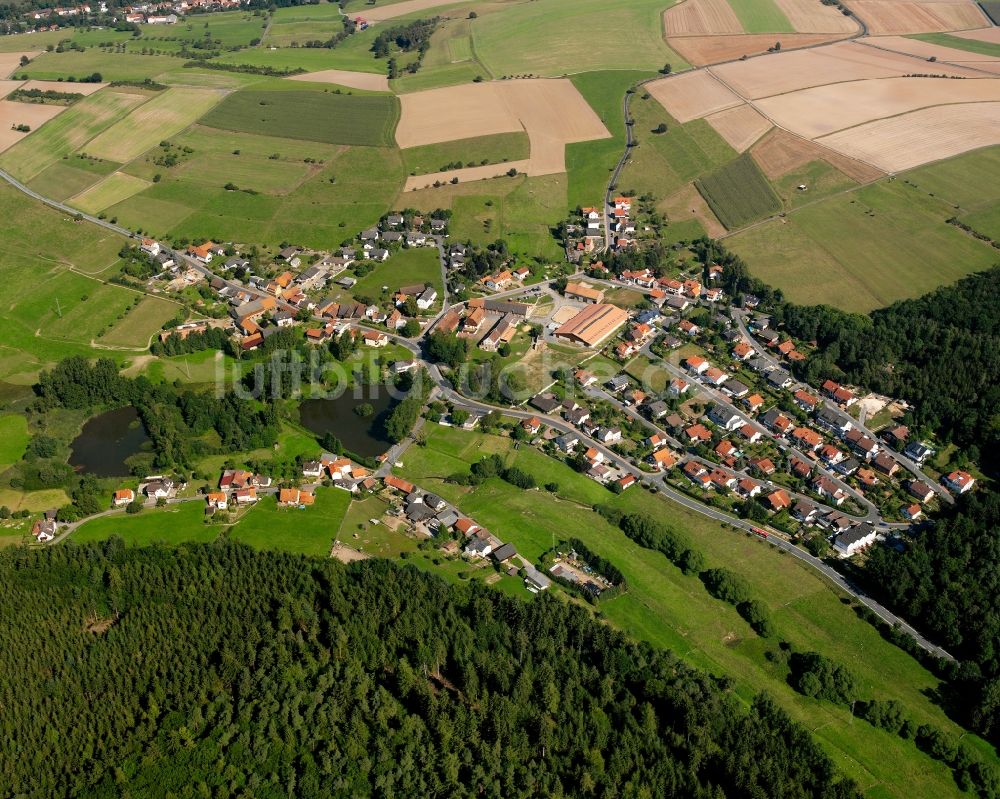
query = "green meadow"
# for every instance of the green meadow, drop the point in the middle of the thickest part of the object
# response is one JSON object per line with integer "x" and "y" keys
{"x": 309, "y": 531}
{"x": 111, "y": 65}
{"x": 173, "y": 524}
{"x": 404, "y": 268}
{"x": 761, "y": 16}
{"x": 958, "y": 43}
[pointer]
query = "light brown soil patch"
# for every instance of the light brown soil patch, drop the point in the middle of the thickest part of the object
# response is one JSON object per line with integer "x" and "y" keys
{"x": 7, "y": 86}
{"x": 920, "y": 137}
{"x": 918, "y": 16}
{"x": 779, "y": 153}
{"x": 30, "y": 114}
{"x": 901, "y": 44}
{"x": 552, "y": 112}
{"x": 823, "y": 110}
{"x": 842, "y": 61}
{"x": 687, "y": 203}
{"x": 86, "y": 89}
{"x": 810, "y": 16}
{"x": 347, "y": 554}
{"x": 705, "y": 50}
{"x": 10, "y": 62}
{"x": 981, "y": 35}
{"x": 740, "y": 126}
{"x": 394, "y": 10}
{"x": 693, "y": 17}
{"x": 367, "y": 81}
{"x": 691, "y": 95}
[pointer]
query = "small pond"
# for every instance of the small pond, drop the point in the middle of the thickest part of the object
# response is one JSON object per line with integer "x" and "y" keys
{"x": 106, "y": 441}
{"x": 361, "y": 435}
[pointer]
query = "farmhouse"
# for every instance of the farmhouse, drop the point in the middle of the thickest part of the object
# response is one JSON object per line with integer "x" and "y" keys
{"x": 123, "y": 496}
{"x": 503, "y": 331}
{"x": 593, "y": 325}
{"x": 584, "y": 293}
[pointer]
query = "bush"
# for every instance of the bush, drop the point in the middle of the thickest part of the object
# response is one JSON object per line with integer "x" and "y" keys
{"x": 726, "y": 585}
{"x": 135, "y": 506}
{"x": 817, "y": 676}
{"x": 757, "y": 616}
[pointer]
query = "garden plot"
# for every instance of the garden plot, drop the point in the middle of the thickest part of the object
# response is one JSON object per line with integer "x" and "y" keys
{"x": 692, "y": 95}
{"x": 919, "y": 137}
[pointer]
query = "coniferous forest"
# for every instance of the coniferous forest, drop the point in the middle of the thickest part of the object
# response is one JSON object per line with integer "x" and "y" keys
{"x": 220, "y": 671}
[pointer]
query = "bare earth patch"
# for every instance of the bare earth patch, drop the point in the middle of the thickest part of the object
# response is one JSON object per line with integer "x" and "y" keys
{"x": 692, "y": 95}
{"x": 367, "y": 81}
{"x": 31, "y": 114}
{"x": 7, "y": 86}
{"x": 950, "y": 55}
{"x": 9, "y": 62}
{"x": 346, "y": 554}
{"x": 693, "y": 17}
{"x": 920, "y": 137}
{"x": 779, "y": 153}
{"x": 918, "y": 16}
{"x": 778, "y": 73}
{"x": 809, "y": 16}
{"x": 551, "y": 111}
{"x": 400, "y": 9}
{"x": 991, "y": 35}
{"x": 822, "y": 110}
{"x": 705, "y": 50}
{"x": 740, "y": 126}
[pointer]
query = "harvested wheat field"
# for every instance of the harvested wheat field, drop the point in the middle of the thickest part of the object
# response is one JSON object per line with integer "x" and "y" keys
{"x": 7, "y": 86}
{"x": 9, "y": 62}
{"x": 694, "y": 17}
{"x": 706, "y": 50}
{"x": 687, "y": 203}
{"x": 552, "y": 112}
{"x": 843, "y": 61}
{"x": 740, "y": 126}
{"x": 920, "y": 137}
{"x": 34, "y": 115}
{"x": 692, "y": 95}
{"x": 399, "y": 9}
{"x": 991, "y": 35}
{"x": 86, "y": 89}
{"x": 810, "y": 16}
{"x": 940, "y": 53}
{"x": 366, "y": 81}
{"x": 822, "y": 110}
{"x": 918, "y": 16}
{"x": 780, "y": 152}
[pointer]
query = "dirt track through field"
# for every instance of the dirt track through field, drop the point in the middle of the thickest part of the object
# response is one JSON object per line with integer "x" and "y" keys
{"x": 367, "y": 81}
{"x": 34, "y": 115}
{"x": 823, "y": 110}
{"x": 740, "y": 126}
{"x": 918, "y": 16}
{"x": 552, "y": 112}
{"x": 704, "y": 50}
{"x": 692, "y": 95}
{"x": 920, "y": 137}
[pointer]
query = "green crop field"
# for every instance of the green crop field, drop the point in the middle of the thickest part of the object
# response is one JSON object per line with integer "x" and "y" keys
{"x": 68, "y": 132}
{"x": 761, "y": 16}
{"x": 664, "y": 163}
{"x": 738, "y": 193}
{"x": 404, "y": 268}
{"x": 864, "y": 249}
{"x": 969, "y": 183}
{"x": 958, "y": 43}
{"x": 113, "y": 189}
{"x": 309, "y": 531}
{"x": 70, "y": 176}
{"x": 173, "y": 524}
{"x": 110, "y": 65}
{"x": 589, "y": 164}
{"x": 165, "y": 115}
{"x": 309, "y": 115}
{"x": 468, "y": 152}
{"x": 13, "y": 439}
{"x": 556, "y": 37}
{"x": 673, "y": 610}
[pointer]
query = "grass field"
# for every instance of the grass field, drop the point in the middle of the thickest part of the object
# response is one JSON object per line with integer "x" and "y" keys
{"x": 226, "y": 29}
{"x": 536, "y": 38}
{"x": 761, "y": 16}
{"x": 969, "y": 183}
{"x": 404, "y": 268}
{"x": 141, "y": 323}
{"x": 310, "y": 115}
{"x": 469, "y": 152}
{"x": 113, "y": 189}
{"x": 821, "y": 178}
{"x": 673, "y": 610}
{"x": 958, "y": 43}
{"x": 589, "y": 164}
{"x": 70, "y": 175}
{"x": 738, "y": 193}
{"x": 110, "y": 65}
{"x": 172, "y": 525}
{"x": 68, "y": 132}
{"x": 664, "y": 163}
{"x": 166, "y": 114}
{"x": 13, "y": 439}
{"x": 864, "y": 249}
{"x": 308, "y": 532}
